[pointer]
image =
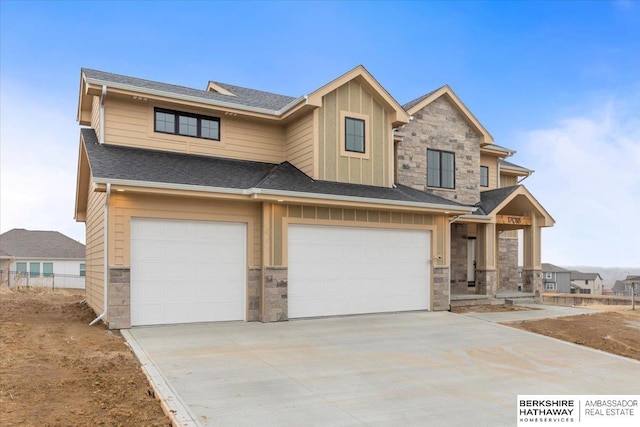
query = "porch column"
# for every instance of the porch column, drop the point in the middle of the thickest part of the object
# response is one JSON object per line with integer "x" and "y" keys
{"x": 486, "y": 272}
{"x": 532, "y": 264}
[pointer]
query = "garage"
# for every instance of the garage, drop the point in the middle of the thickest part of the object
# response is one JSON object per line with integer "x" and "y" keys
{"x": 187, "y": 271}
{"x": 351, "y": 270}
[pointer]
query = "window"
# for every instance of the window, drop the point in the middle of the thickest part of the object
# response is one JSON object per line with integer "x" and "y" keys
{"x": 550, "y": 286}
{"x": 34, "y": 269}
{"x": 549, "y": 275}
{"x": 484, "y": 176}
{"x": 82, "y": 270}
{"x": 441, "y": 169}
{"x": 187, "y": 124}
{"x": 354, "y": 135}
{"x": 47, "y": 269}
{"x": 21, "y": 267}
{"x": 585, "y": 291}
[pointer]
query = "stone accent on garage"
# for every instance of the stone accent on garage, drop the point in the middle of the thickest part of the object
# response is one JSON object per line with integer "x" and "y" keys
{"x": 440, "y": 288}
{"x": 119, "y": 298}
{"x": 486, "y": 282}
{"x": 440, "y": 126}
{"x": 275, "y": 294}
{"x": 508, "y": 264}
{"x": 254, "y": 293}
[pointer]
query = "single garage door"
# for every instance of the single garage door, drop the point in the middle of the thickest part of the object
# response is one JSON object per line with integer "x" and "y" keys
{"x": 348, "y": 270}
{"x": 187, "y": 271}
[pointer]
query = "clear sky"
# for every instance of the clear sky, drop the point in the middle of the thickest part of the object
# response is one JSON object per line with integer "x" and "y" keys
{"x": 558, "y": 82}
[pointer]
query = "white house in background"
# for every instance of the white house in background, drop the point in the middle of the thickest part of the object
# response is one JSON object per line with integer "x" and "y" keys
{"x": 41, "y": 258}
{"x": 586, "y": 283}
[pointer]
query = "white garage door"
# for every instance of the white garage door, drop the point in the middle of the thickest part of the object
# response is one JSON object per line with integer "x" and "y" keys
{"x": 187, "y": 271}
{"x": 346, "y": 270}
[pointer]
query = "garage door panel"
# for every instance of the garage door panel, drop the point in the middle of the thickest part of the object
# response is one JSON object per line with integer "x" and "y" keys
{"x": 187, "y": 271}
{"x": 341, "y": 270}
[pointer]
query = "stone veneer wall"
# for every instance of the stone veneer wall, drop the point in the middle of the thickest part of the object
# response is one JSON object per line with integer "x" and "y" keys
{"x": 254, "y": 294}
{"x": 276, "y": 303}
{"x": 508, "y": 264}
{"x": 440, "y": 288}
{"x": 440, "y": 126}
{"x": 119, "y": 298}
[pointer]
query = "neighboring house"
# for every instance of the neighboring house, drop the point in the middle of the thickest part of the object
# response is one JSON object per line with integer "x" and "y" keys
{"x": 41, "y": 258}
{"x": 231, "y": 203}
{"x": 624, "y": 287}
{"x": 586, "y": 283}
{"x": 556, "y": 279}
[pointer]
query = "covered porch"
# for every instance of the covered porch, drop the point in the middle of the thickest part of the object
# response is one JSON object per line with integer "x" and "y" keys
{"x": 485, "y": 249}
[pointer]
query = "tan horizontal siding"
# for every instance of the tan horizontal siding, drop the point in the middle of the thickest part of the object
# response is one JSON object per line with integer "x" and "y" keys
{"x": 127, "y": 206}
{"x": 299, "y": 144}
{"x": 492, "y": 163}
{"x": 94, "y": 261}
{"x": 507, "y": 180}
{"x": 131, "y": 123}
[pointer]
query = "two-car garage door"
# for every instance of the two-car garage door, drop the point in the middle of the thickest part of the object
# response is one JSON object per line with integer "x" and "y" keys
{"x": 349, "y": 270}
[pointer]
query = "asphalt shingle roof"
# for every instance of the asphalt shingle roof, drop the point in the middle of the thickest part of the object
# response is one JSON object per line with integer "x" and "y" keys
{"x": 418, "y": 100}
{"x": 135, "y": 164}
{"x": 513, "y": 165}
{"x": 490, "y": 199}
{"x": 578, "y": 275}
{"x": 553, "y": 268}
{"x": 244, "y": 96}
{"x": 21, "y": 243}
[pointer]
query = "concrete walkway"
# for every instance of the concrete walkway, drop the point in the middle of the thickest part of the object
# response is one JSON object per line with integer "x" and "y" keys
{"x": 538, "y": 311}
{"x": 420, "y": 368}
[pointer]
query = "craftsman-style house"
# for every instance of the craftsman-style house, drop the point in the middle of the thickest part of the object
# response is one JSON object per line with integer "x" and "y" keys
{"x": 231, "y": 203}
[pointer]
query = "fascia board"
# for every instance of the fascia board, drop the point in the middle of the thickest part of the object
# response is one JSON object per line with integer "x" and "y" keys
{"x": 231, "y": 105}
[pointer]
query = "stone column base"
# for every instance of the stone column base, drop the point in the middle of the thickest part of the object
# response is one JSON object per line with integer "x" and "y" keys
{"x": 276, "y": 303}
{"x": 532, "y": 283}
{"x": 440, "y": 288}
{"x": 119, "y": 298}
{"x": 486, "y": 282}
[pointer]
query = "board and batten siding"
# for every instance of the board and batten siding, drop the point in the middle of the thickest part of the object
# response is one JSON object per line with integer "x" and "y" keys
{"x": 371, "y": 169}
{"x": 299, "y": 144}
{"x": 126, "y": 206}
{"x": 131, "y": 123}
{"x": 94, "y": 251}
{"x": 508, "y": 180}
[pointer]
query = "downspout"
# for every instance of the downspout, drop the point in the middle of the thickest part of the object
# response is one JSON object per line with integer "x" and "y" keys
{"x": 525, "y": 177}
{"x": 102, "y": 98}
{"x": 106, "y": 256}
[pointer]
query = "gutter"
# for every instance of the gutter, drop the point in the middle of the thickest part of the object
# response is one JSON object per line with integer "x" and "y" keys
{"x": 192, "y": 98}
{"x": 106, "y": 258}
{"x": 255, "y": 193}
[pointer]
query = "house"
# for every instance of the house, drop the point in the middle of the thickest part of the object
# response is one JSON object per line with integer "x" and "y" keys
{"x": 624, "y": 288}
{"x": 231, "y": 203}
{"x": 556, "y": 279}
{"x": 586, "y": 283}
{"x": 41, "y": 258}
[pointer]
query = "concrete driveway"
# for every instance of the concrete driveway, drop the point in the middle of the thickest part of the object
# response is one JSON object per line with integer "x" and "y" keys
{"x": 399, "y": 369}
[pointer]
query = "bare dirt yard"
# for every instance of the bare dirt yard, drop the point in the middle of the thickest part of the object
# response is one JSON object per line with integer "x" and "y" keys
{"x": 615, "y": 331}
{"x": 56, "y": 370}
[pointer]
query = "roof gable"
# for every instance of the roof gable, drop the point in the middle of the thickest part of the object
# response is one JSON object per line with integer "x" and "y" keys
{"x": 360, "y": 73}
{"x": 412, "y": 107}
{"x": 21, "y": 243}
{"x": 493, "y": 202}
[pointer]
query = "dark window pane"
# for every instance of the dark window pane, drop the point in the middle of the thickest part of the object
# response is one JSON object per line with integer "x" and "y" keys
{"x": 484, "y": 176}
{"x": 188, "y": 126}
{"x": 354, "y": 135}
{"x": 448, "y": 170}
{"x": 433, "y": 168}
{"x": 165, "y": 122}
{"x": 209, "y": 129}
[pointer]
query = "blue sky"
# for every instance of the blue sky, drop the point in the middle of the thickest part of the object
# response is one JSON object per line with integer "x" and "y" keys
{"x": 558, "y": 82}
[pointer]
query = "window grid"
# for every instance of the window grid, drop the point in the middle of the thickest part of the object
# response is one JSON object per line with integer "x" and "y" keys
{"x": 354, "y": 135}
{"x": 186, "y": 124}
{"x": 441, "y": 167}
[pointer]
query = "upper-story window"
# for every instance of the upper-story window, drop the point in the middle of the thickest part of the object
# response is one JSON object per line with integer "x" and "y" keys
{"x": 441, "y": 169}
{"x": 354, "y": 135}
{"x": 187, "y": 124}
{"x": 484, "y": 176}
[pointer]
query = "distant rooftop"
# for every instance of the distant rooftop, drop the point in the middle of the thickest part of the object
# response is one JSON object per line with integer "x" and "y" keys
{"x": 21, "y": 243}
